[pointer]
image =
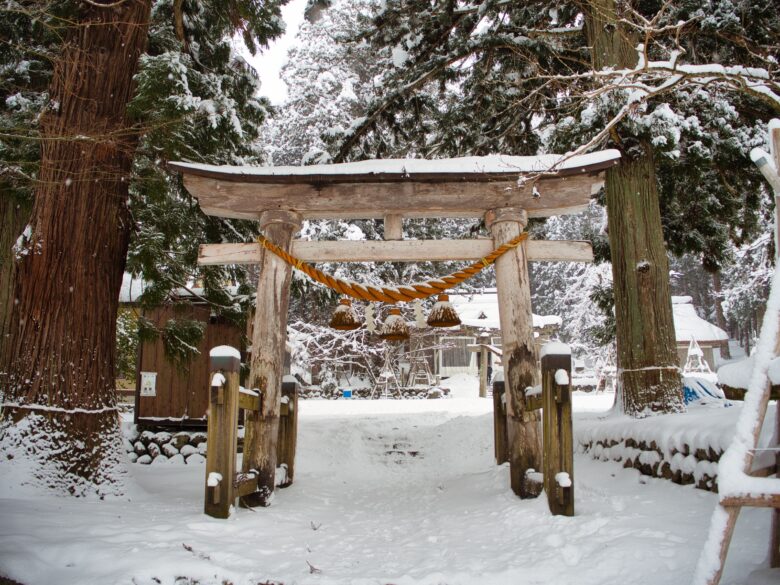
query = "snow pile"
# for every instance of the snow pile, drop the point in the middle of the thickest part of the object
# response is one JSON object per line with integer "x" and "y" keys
{"x": 737, "y": 374}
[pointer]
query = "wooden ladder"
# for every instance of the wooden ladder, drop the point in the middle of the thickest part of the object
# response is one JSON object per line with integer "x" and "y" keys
{"x": 739, "y": 485}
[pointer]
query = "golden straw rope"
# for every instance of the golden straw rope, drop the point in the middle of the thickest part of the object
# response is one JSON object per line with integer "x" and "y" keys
{"x": 393, "y": 295}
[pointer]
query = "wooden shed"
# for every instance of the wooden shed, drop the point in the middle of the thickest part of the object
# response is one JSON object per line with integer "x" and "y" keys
{"x": 176, "y": 396}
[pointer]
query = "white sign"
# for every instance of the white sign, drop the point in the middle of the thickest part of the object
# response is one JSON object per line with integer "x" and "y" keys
{"x": 148, "y": 383}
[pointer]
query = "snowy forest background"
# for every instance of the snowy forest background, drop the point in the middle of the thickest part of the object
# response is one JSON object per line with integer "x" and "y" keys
{"x": 196, "y": 99}
{"x": 717, "y": 225}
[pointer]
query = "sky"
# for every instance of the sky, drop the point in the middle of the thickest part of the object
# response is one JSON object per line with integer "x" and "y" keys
{"x": 269, "y": 62}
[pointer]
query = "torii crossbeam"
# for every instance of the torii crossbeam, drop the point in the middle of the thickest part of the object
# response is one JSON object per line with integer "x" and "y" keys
{"x": 504, "y": 190}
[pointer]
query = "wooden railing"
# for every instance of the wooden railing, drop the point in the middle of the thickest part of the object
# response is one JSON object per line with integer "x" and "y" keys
{"x": 223, "y": 483}
{"x": 554, "y": 399}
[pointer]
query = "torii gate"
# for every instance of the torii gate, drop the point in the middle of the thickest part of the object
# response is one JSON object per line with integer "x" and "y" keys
{"x": 505, "y": 190}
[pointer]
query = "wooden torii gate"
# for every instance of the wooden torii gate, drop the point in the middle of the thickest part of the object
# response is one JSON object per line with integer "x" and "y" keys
{"x": 504, "y": 190}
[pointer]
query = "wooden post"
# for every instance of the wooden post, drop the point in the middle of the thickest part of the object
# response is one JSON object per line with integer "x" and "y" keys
{"x": 483, "y": 371}
{"x": 268, "y": 344}
{"x": 558, "y": 444}
{"x": 499, "y": 423}
{"x": 518, "y": 357}
{"x": 774, "y": 546}
{"x": 222, "y": 438}
{"x": 288, "y": 431}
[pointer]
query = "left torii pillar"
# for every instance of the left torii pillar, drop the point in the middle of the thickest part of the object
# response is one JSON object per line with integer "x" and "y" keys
{"x": 268, "y": 345}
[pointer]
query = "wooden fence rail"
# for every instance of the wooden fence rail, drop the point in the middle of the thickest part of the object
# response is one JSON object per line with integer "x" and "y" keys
{"x": 223, "y": 483}
{"x": 557, "y": 430}
{"x": 553, "y": 397}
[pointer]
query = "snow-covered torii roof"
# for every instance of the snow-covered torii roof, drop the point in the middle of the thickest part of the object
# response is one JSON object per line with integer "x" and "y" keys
{"x": 457, "y": 187}
{"x": 688, "y": 325}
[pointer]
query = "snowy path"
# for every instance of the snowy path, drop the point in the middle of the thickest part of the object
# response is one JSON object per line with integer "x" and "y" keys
{"x": 386, "y": 492}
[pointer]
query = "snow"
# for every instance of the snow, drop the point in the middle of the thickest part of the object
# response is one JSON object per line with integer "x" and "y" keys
{"x": 225, "y": 351}
{"x": 554, "y": 348}
{"x": 213, "y": 479}
{"x": 562, "y": 377}
{"x": 408, "y": 166}
{"x": 688, "y": 325}
{"x": 481, "y": 310}
{"x": 737, "y": 374}
{"x": 217, "y": 380}
{"x": 386, "y": 491}
{"x": 562, "y": 479}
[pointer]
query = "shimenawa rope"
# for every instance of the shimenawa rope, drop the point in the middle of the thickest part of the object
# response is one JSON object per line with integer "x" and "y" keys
{"x": 393, "y": 295}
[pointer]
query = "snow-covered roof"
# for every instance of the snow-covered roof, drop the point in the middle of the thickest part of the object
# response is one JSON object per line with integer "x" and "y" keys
{"x": 408, "y": 167}
{"x": 687, "y": 324}
{"x": 132, "y": 287}
{"x": 481, "y": 310}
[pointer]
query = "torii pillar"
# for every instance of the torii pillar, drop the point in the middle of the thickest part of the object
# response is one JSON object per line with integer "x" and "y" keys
{"x": 268, "y": 345}
{"x": 517, "y": 345}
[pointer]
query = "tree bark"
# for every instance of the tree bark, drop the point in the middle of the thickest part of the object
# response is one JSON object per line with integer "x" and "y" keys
{"x": 648, "y": 369}
{"x": 720, "y": 318}
{"x": 58, "y": 385}
{"x": 14, "y": 214}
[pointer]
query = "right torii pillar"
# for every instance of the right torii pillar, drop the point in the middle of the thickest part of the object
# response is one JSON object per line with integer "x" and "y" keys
{"x": 517, "y": 347}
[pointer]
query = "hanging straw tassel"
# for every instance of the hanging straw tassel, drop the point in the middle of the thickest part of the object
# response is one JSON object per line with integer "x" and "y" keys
{"x": 344, "y": 317}
{"x": 443, "y": 313}
{"x": 395, "y": 327}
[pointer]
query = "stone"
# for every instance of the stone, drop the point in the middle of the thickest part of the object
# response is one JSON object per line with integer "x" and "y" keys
{"x": 197, "y": 438}
{"x": 162, "y": 437}
{"x": 202, "y": 448}
{"x": 188, "y": 450}
{"x": 177, "y": 459}
{"x": 160, "y": 460}
{"x": 146, "y": 437}
{"x": 139, "y": 448}
{"x": 169, "y": 449}
{"x": 144, "y": 459}
{"x": 132, "y": 456}
{"x": 181, "y": 439}
{"x": 153, "y": 449}
{"x": 196, "y": 459}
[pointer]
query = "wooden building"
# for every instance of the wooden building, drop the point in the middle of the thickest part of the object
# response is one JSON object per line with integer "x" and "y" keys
{"x": 168, "y": 394}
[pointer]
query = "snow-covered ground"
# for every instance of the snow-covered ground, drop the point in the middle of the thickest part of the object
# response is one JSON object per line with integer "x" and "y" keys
{"x": 386, "y": 492}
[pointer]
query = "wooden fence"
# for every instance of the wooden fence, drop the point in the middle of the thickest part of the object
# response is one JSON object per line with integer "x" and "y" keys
{"x": 223, "y": 483}
{"x": 554, "y": 398}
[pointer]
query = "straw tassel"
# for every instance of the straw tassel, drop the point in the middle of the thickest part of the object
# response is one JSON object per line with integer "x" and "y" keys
{"x": 443, "y": 313}
{"x": 395, "y": 327}
{"x": 344, "y": 317}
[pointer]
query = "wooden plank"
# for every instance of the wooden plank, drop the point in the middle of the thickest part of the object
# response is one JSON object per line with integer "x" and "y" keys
{"x": 519, "y": 357}
{"x": 774, "y": 540}
{"x": 499, "y": 424}
{"x": 483, "y": 372}
{"x": 245, "y": 485}
{"x": 288, "y": 432}
{"x": 395, "y": 251}
{"x": 558, "y": 440}
{"x": 248, "y": 402}
{"x": 394, "y": 227}
{"x": 222, "y": 437}
{"x": 241, "y": 200}
{"x": 268, "y": 346}
{"x": 752, "y": 500}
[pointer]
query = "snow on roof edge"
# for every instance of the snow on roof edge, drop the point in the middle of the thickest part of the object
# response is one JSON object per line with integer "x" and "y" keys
{"x": 410, "y": 166}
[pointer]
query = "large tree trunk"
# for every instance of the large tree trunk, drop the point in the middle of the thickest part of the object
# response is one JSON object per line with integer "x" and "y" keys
{"x": 14, "y": 214}
{"x": 58, "y": 386}
{"x": 648, "y": 369}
